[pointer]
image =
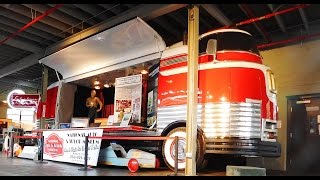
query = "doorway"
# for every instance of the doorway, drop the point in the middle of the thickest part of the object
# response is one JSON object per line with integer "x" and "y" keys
{"x": 303, "y": 134}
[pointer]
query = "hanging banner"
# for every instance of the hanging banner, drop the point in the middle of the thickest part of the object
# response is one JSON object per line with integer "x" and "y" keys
{"x": 68, "y": 145}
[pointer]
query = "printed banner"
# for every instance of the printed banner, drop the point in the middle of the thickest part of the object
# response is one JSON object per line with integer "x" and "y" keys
{"x": 68, "y": 145}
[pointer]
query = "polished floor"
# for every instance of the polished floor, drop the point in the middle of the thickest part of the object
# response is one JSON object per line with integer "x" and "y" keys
{"x": 25, "y": 167}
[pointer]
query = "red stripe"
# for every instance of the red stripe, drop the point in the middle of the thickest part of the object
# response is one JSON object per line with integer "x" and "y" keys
{"x": 27, "y": 137}
{"x": 156, "y": 138}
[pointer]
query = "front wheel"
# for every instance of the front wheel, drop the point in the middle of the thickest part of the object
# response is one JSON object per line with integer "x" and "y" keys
{"x": 168, "y": 149}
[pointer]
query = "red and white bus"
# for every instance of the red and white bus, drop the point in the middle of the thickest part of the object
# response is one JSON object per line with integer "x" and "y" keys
{"x": 237, "y": 107}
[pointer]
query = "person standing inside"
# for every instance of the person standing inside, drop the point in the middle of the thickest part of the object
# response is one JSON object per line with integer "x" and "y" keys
{"x": 92, "y": 103}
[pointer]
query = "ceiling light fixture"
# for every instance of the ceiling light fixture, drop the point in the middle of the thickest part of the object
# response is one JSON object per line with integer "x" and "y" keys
{"x": 143, "y": 71}
{"x": 96, "y": 82}
{"x": 97, "y": 87}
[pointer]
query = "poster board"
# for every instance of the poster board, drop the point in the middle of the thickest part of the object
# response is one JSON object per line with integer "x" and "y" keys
{"x": 128, "y": 98}
{"x": 110, "y": 120}
{"x": 126, "y": 120}
{"x": 68, "y": 145}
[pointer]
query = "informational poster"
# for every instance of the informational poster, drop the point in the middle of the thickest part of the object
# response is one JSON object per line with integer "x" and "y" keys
{"x": 29, "y": 152}
{"x": 128, "y": 98}
{"x": 68, "y": 145}
{"x": 150, "y": 102}
{"x": 125, "y": 120}
{"x": 110, "y": 120}
{"x": 136, "y": 104}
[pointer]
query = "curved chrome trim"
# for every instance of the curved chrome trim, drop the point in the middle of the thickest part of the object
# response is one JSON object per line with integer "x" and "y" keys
{"x": 221, "y": 119}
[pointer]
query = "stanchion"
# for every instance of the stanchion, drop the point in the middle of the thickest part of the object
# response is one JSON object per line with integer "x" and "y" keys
{"x": 176, "y": 140}
{"x": 11, "y": 145}
{"x": 41, "y": 153}
{"x": 85, "y": 166}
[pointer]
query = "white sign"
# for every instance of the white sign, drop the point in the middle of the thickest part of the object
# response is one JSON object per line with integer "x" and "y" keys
{"x": 29, "y": 152}
{"x": 68, "y": 145}
{"x": 128, "y": 80}
{"x": 136, "y": 104}
{"x": 110, "y": 120}
{"x": 125, "y": 120}
{"x": 303, "y": 102}
{"x": 312, "y": 108}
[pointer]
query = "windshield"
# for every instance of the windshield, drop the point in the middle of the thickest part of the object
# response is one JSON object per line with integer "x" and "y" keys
{"x": 234, "y": 41}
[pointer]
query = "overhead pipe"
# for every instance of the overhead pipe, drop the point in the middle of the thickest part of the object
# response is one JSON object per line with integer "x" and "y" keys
{"x": 248, "y": 11}
{"x": 45, "y": 14}
{"x": 267, "y": 16}
{"x": 287, "y": 41}
{"x": 278, "y": 19}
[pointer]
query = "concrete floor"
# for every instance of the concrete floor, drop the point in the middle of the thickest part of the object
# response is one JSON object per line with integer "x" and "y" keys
{"x": 27, "y": 167}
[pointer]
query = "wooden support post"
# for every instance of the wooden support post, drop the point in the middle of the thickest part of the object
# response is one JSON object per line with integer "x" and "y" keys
{"x": 192, "y": 89}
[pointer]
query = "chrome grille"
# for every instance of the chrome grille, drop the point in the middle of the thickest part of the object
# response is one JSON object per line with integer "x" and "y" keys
{"x": 218, "y": 119}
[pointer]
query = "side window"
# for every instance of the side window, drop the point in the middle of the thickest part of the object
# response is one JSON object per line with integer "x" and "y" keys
{"x": 203, "y": 43}
{"x": 271, "y": 82}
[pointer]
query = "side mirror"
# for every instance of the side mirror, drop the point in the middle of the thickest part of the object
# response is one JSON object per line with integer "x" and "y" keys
{"x": 212, "y": 48}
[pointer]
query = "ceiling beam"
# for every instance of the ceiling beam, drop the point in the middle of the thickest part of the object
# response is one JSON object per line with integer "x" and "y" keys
{"x": 10, "y": 80}
{"x": 258, "y": 27}
{"x": 17, "y": 25}
{"x": 57, "y": 15}
{"x": 162, "y": 10}
{"x": 292, "y": 32}
{"x": 21, "y": 45}
{"x": 25, "y": 20}
{"x": 94, "y": 10}
{"x": 78, "y": 14}
{"x": 216, "y": 13}
{"x": 143, "y": 11}
{"x": 25, "y": 34}
{"x": 278, "y": 19}
{"x": 304, "y": 20}
{"x": 21, "y": 64}
{"x": 25, "y": 11}
{"x": 112, "y": 8}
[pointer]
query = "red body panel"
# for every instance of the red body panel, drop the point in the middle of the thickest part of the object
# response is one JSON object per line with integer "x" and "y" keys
{"x": 229, "y": 84}
{"x": 50, "y": 108}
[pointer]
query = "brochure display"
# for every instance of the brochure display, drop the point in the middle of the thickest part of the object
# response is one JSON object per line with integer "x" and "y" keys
{"x": 128, "y": 98}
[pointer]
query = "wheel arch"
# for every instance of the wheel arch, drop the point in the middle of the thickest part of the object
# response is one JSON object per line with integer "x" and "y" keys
{"x": 180, "y": 123}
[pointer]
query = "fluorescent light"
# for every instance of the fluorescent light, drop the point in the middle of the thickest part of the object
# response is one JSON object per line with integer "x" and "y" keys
{"x": 97, "y": 87}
